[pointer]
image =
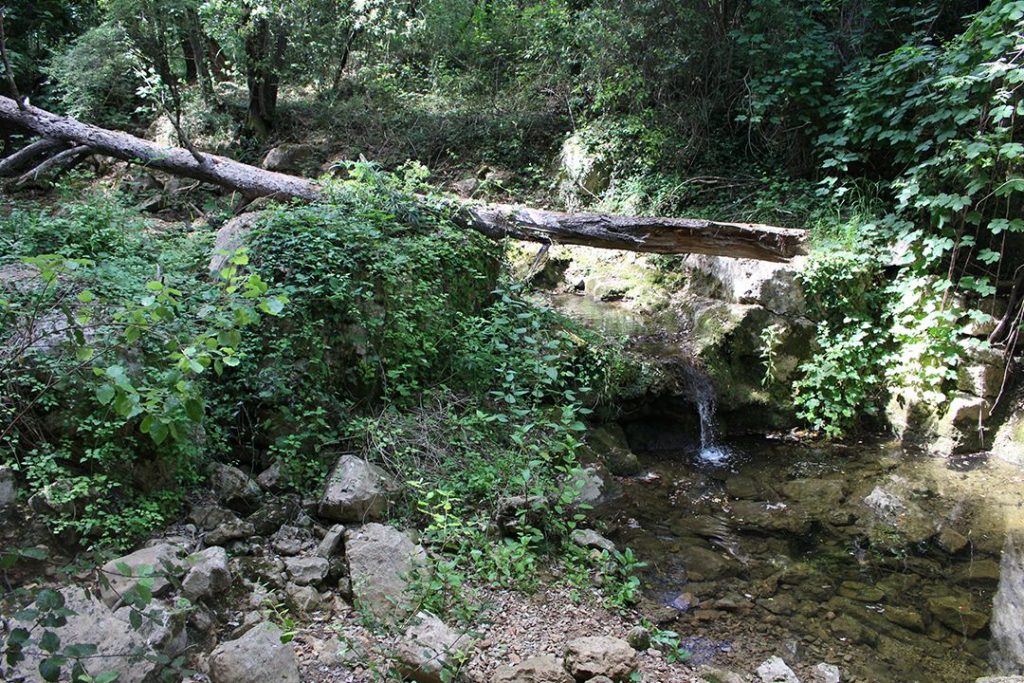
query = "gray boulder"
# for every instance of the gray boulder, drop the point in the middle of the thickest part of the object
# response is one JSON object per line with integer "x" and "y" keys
{"x": 209, "y": 575}
{"x": 235, "y": 489}
{"x": 307, "y": 571}
{"x": 292, "y": 540}
{"x": 893, "y": 505}
{"x": 230, "y": 531}
{"x": 158, "y": 561}
{"x": 380, "y": 562}
{"x": 543, "y": 669}
{"x": 259, "y": 656}
{"x": 305, "y": 599}
{"x": 356, "y": 491}
{"x": 608, "y": 442}
{"x": 583, "y": 172}
{"x": 332, "y": 542}
{"x": 289, "y": 158}
{"x": 593, "y": 656}
{"x": 588, "y": 483}
{"x": 94, "y": 623}
{"x": 826, "y": 673}
{"x": 162, "y": 627}
{"x": 429, "y": 649}
{"x": 1008, "y": 605}
{"x": 639, "y": 638}
{"x": 275, "y": 513}
{"x": 210, "y": 517}
{"x": 230, "y": 238}
{"x": 270, "y": 479}
{"x": 775, "y": 670}
{"x": 588, "y": 538}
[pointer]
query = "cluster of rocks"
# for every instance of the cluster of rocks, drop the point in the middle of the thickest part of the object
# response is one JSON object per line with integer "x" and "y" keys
{"x": 599, "y": 659}
{"x": 247, "y": 553}
{"x": 251, "y": 550}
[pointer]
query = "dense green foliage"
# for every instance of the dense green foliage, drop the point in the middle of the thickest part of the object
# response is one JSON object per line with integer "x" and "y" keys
{"x": 367, "y": 322}
{"x": 888, "y": 128}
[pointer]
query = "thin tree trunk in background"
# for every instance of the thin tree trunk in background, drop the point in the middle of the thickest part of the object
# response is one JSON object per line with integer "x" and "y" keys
{"x": 218, "y": 63}
{"x": 264, "y": 49}
{"x": 346, "y": 53}
{"x": 631, "y": 233}
{"x": 197, "y": 41}
{"x": 191, "y": 71}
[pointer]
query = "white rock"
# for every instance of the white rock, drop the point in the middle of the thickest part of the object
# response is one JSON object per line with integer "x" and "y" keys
{"x": 259, "y": 656}
{"x": 774, "y": 670}
{"x": 429, "y": 649}
{"x": 380, "y": 561}
{"x": 827, "y": 673}
{"x": 157, "y": 561}
{"x": 209, "y": 576}
{"x": 356, "y": 491}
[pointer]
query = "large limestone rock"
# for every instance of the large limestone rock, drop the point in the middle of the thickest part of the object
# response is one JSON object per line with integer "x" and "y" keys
{"x": 593, "y": 656}
{"x": 546, "y": 669}
{"x": 158, "y": 561}
{"x": 543, "y": 669}
{"x": 230, "y": 238}
{"x": 380, "y": 562}
{"x": 583, "y": 173}
{"x": 259, "y": 656}
{"x": 429, "y": 649}
{"x": 587, "y": 483}
{"x": 892, "y": 506}
{"x": 826, "y": 673}
{"x": 235, "y": 488}
{"x": 209, "y": 575}
{"x": 94, "y": 623}
{"x": 356, "y": 491}
{"x": 162, "y": 627}
{"x": 608, "y": 442}
{"x": 1008, "y": 605}
{"x": 588, "y": 538}
{"x": 776, "y": 286}
{"x": 775, "y": 670}
{"x": 232, "y": 530}
{"x": 307, "y": 571}
{"x": 958, "y": 614}
{"x": 289, "y": 158}
{"x": 332, "y": 542}
{"x": 1008, "y": 443}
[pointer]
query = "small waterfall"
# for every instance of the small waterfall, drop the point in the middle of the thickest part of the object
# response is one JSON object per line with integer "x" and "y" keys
{"x": 700, "y": 390}
{"x": 1008, "y": 607}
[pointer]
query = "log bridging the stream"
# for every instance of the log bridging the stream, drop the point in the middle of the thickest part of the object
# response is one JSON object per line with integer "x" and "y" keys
{"x": 630, "y": 233}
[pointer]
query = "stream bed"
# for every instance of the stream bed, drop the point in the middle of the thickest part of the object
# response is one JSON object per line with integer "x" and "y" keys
{"x": 879, "y": 560}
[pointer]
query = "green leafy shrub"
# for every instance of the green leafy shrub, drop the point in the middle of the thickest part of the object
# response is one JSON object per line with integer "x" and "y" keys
{"x": 97, "y": 77}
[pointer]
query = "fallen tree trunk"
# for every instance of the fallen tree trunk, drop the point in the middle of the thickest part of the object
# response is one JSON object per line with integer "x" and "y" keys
{"x": 56, "y": 164}
{"x": 635, "y": 233}
{"x": 28, "y": 155}
{"x": 249, "y": 180}
{"x": 632, "y": 233}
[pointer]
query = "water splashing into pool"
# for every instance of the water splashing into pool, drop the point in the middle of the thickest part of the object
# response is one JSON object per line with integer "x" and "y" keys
{"x": 702, "y": 392}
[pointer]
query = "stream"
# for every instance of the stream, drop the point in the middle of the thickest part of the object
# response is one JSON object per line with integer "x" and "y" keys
{"x": 895, "y": 565}
{"x": 879, "y": 560}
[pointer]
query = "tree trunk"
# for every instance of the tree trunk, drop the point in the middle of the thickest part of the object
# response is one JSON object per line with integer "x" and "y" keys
{"x": 28, "y": 155}
{"x": 191, "y": 70}
{"x": 264, "y": 52}
{"x": 632, "y": 233}
{"x": 249, "y": 180}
